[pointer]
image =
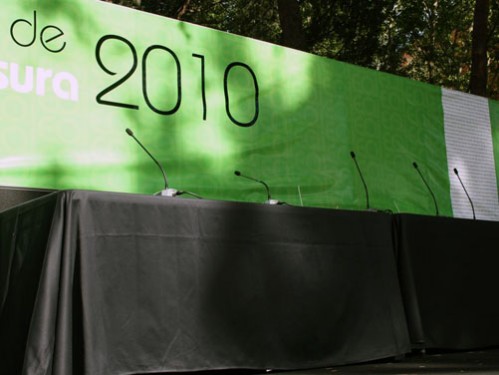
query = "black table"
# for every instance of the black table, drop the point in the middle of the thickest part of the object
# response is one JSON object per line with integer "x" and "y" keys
{"x": 449, "y": 271}
{"x": 108, "y": 283}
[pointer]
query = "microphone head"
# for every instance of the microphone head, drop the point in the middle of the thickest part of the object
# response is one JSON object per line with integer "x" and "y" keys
{"x": 237, "y": 173}
{"x": 129, "y": 132}
{"x": 352, "y": 154}
{"x": 455, "y": 171}
{"x": 415, "y": 165}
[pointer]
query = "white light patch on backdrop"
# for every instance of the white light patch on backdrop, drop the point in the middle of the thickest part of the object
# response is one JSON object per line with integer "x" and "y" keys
{"x": 468, "y": 139}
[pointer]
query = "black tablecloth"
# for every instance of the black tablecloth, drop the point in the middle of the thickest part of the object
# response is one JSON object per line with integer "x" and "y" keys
{"x": 450, "y": 279}
{"x": 106, "y": 283}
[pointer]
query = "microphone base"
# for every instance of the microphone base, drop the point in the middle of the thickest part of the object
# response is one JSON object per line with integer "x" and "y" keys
{"x": 168, "y": 193}
{"x": 273, "y": 202}
{"x": 172, "y": 193}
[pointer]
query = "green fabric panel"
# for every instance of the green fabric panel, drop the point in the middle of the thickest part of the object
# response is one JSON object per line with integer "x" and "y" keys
{"x": 312, "y": 112}
{"x": 494, "y": 123}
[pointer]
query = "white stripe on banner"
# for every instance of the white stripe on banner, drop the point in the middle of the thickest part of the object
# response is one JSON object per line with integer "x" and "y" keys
{"x": 468, "y": 139}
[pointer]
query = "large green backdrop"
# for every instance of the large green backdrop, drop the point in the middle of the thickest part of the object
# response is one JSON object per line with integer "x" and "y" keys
{"x": 75, "y": 74}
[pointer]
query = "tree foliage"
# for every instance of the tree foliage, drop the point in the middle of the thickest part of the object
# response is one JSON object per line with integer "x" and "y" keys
{"x": 426, "y": 40}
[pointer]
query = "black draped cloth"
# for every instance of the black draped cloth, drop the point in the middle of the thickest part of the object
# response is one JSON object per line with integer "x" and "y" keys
{"x": 107, "y": 283}
{"x": 450, "y": 279}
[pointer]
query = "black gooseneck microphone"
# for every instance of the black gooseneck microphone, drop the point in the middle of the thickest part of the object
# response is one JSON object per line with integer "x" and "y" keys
{"x": 167, "y": 191}
{"x": 269, "y": 198}
{"x": 352, "y": 154}
{"x": 130, "y": 133}
{"x": 415, "y": 165}
{"x": 469, "y": 199}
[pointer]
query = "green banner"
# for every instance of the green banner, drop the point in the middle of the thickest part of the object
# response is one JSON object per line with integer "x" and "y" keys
{"x": 75, "y": 74}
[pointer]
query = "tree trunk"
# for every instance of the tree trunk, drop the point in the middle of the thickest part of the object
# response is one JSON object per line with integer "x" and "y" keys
{"x": 293, "y": 35}
{"x": 183, "y": 9}
{"x": 478, "y": 80}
